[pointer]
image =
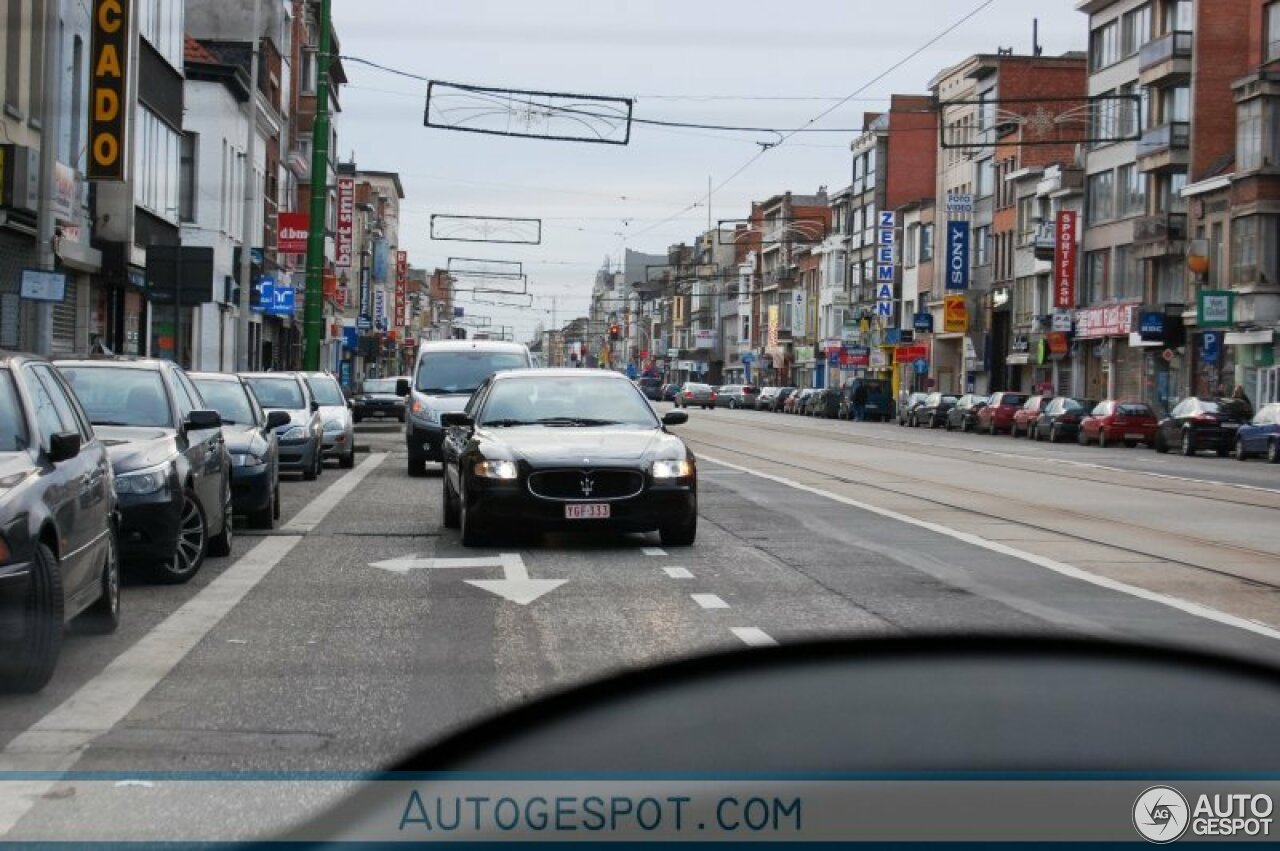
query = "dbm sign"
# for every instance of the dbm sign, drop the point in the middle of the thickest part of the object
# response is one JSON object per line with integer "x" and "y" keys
{"x": 957, "y": 270}
{"x": 108, "y": 90}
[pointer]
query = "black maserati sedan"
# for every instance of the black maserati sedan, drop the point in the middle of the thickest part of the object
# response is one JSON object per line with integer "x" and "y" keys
{"x": 250, "y": 433}
{"x": 566, "y": 449}
{"x": 172, "y": 468}
{"x": 58, "y": 557}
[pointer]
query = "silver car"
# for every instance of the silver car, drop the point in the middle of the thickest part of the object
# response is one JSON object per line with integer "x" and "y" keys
{"x": 301, "y": 440}
{"x": 335, "y": 412}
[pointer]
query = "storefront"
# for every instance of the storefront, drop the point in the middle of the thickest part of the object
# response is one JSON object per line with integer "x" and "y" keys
{"x": 1254, "y": 355}
{"x": 1111, "y": 368}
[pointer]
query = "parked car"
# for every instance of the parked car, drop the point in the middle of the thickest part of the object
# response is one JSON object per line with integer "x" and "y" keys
{"x": 1125, "y": 421}
{"x": 250, "y": 434}
{"x": 909, "y": 404}
{"x": 879, "y": 405}
{"x": 377, "y": 399}
{"x": 1024, "y": 419}
{"x": 170, "y": 460}
{"x": 739, "y": 396}
{"x": 58, "y": 553}
{"x": 779, "y": 401}
{"x": 693, "y": 395}
{"x": 1261, "y": 436}
{"x": 669, "y": 392}
{"x": 794, "y": 403}
{"x": 1061, "y": 418}
{"x": 302, "y": 438}
{"x": 651, "y": 388}
{"x": 335, "y": 412}
{"x": 997, "y": 415}
{"x": 933, "y": 411}
{"x": 1199, "y": 423}
{"x": 963, "y": 415}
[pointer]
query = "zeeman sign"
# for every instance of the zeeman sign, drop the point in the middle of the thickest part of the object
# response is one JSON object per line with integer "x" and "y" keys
{"x": 108, "y": 90}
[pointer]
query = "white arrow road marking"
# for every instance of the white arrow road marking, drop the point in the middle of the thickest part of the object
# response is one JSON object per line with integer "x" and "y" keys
{"x": 515, "y": 585}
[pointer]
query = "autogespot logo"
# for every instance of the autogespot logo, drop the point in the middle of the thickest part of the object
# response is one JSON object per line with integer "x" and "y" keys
{"x": 1160, "y": 814}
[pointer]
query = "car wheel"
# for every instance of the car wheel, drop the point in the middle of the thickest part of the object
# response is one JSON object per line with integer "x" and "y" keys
{"x": 275, "y": 503}
{"x": 265, "y": 517}
{"x": 189, "y": 553}
{"x": 348, "y": 461}
{"x": 1102, "y": 439}
{"x": 103, "y": 617}
{"x": 28, "y": 665}
{"x": 1188, "y": 443}
{"x": 310, "y": 474}
{"x": 471, "y": 525}
{"x": 1273, "y": 452}
{"x": 1160, "y": 444}
{"x": 947, "y": 426}
{"x": 1241, "y": 454}
{"x": 1131, "y": 443}
{"x": 220, "y": 544}
{"x": 1053, "y": 434}
{"x": 1221, "y": 452}
{"x": 450, "y": 503}
{"x": 416, "y": 466}
{"x": 1081, "y": 438}
{"x": 733, "y": 404}
{"x": 680, "y": 534}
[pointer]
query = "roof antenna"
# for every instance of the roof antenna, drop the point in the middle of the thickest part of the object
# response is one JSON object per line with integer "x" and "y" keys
{"x": 1036, "y": 49}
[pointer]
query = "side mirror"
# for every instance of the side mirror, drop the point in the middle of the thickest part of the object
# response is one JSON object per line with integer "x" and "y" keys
{"x": 402, "y": 387}
{"x": 64, "y": 446}
{"x": 202, "y": 420}
{"x": 351, "y": 405}
{"x": 456, "y": 419}
{"x": 276, "y": 419}
{"x": 315, "y": 406}
{"x": 674, "y": 418}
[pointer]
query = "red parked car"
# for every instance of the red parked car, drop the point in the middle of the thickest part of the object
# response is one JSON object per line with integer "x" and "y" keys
{"x": 1119, "y": 420}
{"x": 998, "y": 414}
{"x": 1025, "y": 417}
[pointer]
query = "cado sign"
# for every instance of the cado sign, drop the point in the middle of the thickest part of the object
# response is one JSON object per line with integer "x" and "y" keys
{"x": 108, "y": 90}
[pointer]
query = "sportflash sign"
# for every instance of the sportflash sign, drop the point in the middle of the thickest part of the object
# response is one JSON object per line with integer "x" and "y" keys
{"x": 108, "y": 87}
{"x": 1064, "y": 260}
{"x": 402, "y": 288}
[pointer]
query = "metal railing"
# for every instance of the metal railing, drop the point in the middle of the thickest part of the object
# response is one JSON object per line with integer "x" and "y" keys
{"x": 1170, "y": 46}
{"x": 1162, "y": 227}
{"x": 1172, "y": 135}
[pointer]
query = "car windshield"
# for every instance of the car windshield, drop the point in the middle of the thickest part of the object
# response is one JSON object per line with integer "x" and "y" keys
{"x": 1012, "y": 399}
{"x": 281, "y": 393}
{"x": 121, "y": 395}
{"x": 13, "y": 424}
{"x": 380, "y": 385}
{"x": 565, "y": 401}
{"x": 326, "y": 391}
{"x": 228, "y": 398}
{"x": 462, "y": 372}
{"x": 1133, "y": 409}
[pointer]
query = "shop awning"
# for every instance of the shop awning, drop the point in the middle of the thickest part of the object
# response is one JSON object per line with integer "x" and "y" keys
{"x": 1249, "y": 338}
{"x": 1018, "y": 360}
{"x": 81, "y": 258}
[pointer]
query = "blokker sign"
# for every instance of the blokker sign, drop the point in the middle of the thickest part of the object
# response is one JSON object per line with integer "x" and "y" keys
{"x": 108, "y": 90}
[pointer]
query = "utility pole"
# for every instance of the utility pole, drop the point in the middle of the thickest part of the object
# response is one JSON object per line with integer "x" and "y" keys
{"x": 251, "y": 205}
{"x": 313, "y": 325}
{"x": 50, "y": 115}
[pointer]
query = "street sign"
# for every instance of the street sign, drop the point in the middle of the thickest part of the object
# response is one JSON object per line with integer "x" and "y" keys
{"x": 921, "y": 366}
{"x": 43, "y": 286}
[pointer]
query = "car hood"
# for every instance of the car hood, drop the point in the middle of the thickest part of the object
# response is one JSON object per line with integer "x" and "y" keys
{"x": 243, "y": 439}
{"x": 380, "y": 397}
{"x": 552, "y": 446}
{"x": 136, "y": 448}
{"x": 328, "y": 412}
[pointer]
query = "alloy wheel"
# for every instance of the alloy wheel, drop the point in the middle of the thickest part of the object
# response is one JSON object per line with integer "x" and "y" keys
{"x": 191, "y": 538}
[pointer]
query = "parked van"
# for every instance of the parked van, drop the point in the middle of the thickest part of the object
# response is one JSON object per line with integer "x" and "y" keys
{"x": 445, "y": 375}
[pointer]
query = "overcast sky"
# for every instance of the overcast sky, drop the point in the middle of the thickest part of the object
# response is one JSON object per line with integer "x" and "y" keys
{"x": 760, "y": 63}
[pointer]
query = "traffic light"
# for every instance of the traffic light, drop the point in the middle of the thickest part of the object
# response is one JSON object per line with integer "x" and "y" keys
{"x": 615, "y": 331}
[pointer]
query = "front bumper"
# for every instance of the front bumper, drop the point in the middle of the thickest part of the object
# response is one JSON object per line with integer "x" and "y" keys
{"x": 251, "y": 489}
{"x": 297, "y": 456}
{"x": 1213, "y": 438}
{"x": 149, "y": 525}
{"x": 511, "y": 506}
{"x": 15, "y": 584}
{"x": 424, "y": 441}
{"x": 371, "y": 410}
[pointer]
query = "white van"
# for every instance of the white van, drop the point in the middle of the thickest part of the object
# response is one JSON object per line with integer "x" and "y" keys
{"x": 445, "y": 375}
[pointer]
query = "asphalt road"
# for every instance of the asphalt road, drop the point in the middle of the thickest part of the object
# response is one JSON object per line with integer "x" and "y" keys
{"x": 345, "y": 638}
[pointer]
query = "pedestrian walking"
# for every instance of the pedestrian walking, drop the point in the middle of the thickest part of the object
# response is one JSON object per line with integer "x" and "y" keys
{"x": 860, "y": 402}
{"x": 1239, "y": 395}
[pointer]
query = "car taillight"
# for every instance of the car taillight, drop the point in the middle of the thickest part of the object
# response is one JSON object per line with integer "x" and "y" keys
{"x": 688, "y": 394}
{"x": 1205, "y": 419}
{"x": 1070, "y": 418}
{"x": 714, "y": 397}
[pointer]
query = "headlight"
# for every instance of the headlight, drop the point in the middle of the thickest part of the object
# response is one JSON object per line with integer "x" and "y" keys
{"x": 248, "y": 459}
{"x": 505, "y": 470}
{"x": 335, "y": 425}
{"x": 421, "y": 411}
{"x": 296, "y": 433}
{"x": 143, "y": 481}
{"x": 672, "y": 469}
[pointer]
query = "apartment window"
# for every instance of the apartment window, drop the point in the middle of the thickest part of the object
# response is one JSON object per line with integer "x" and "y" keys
{"x": 1024, "y": 294}
{"x": 160, "y": 23}
{"x": 156, "y": 187}
{"x": 309, "y": 72}
{"x": 1096, "y": 264}
{"x": 1026, "y": 220}
{"x": 1104, "y": 46}
{"x": 910, "y": 238}
{"x": 926, "y": 243}
{"x": 223, "y": 183}
{"x": 35, "y": 76}
{"x": 1044, "y": 302}
{"x": 13, "y": 56}
{"x": 1170, "y": 283}
{"x": 1127, "y": 282}
{"x": 982, "y": 245}
{"x": 1175, "y": 104}
{"x": 871, "y": 168}
{"x": 1169, "y": 193}
{"x": 1131, "y": 191}
{"x": 1271, "y": 50}
{"x": 986, "y": 178}
{"x": 1244, "y": 249}
{"x": 1127, "y": 112}
{"x": 187, "y": 178}
{"x": 1179, "y": 16}
{"x": 1101, "y": 193}
{"x": 1135, "y": 30}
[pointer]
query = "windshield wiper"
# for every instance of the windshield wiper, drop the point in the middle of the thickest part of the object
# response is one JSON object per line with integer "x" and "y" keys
{"x": 444, "y": 391}
{"x": 508, "y": 423}
{"x": 112, "y": 423}
{"x": 576, "y": 421}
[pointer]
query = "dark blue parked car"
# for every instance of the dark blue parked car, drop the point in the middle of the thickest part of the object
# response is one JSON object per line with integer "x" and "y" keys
{"x": 1261, "y": 436}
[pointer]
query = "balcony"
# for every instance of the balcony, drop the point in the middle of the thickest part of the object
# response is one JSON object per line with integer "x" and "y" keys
{"x": 1165, "y": 147}
{"x": 1160, "y": 235}
{"x": 1165, "y": 60}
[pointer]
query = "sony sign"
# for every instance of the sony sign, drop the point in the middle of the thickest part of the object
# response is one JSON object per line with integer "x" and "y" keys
{"x": 957, "y": 268}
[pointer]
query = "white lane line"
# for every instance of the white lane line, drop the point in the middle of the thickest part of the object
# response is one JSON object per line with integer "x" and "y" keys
{"x": 315, "y": 511}
{"x": 709, "y": 601}
{"x": 58, "y": 740}
{"x": 753, "y": 637}
{"x": 1040, "y": 561}
{"x": 677, "y": 572}
{"x": 653, "y": 551}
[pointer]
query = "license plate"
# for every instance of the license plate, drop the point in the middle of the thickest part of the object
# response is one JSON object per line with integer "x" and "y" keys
{"x": 588, "y": 511}
{"x": 1134, "y": 437}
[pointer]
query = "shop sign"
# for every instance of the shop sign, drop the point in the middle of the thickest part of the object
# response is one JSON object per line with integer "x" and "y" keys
{"x": 346, "y": 222}
{"x": 291, "y": 238}
{"x": 1151, "y": 326}
{"x": 955, "y": 314}
{"x": 957, "y": 270}
{"x": 914, "y": 352}
{"x": 1058, "y": 342}
{"x": 1113, "y": 320}
{"x": 1064, "y": 261}
{"x": 1020, "y": 345}
{"x": 1211, "y": 346}
{"x": 1214, "y": 308}
{"x": 108, "y": 90}
{"x": 923, "y": 322}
